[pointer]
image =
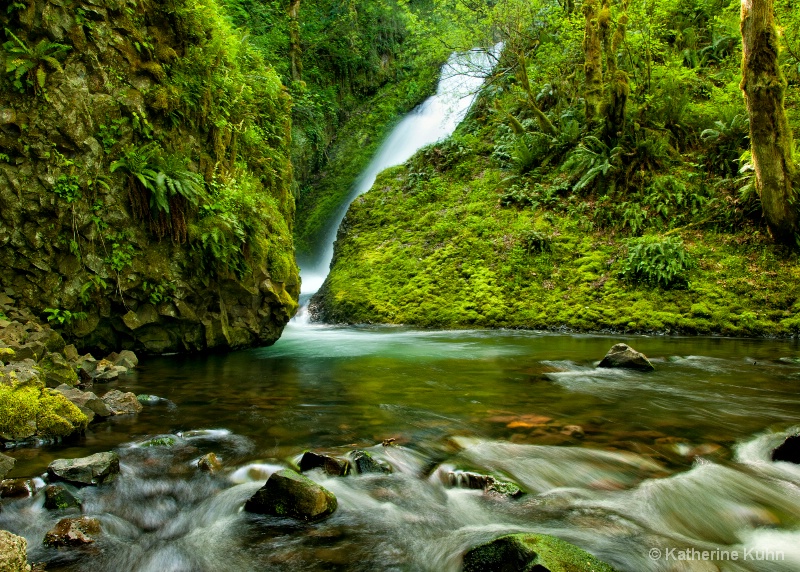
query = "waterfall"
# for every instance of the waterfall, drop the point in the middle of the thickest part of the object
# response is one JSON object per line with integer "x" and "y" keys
{"x": 435, "y": 119}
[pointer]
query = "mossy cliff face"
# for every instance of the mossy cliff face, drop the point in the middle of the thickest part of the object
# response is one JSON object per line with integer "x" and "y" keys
{"x": 145, "y": 180}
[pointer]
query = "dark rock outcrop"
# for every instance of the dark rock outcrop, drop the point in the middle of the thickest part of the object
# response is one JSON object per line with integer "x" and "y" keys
{"x": 330, "y": 465}
{"x": 290, "y": 494}
{"x": 73, "y": 532}
{"x": 92, "y": 470}
{"x": 625, "y": 357}
{"x": 531, "y": 553}
{"x": 788, "y": 451}
{"x": 209, "y": 463}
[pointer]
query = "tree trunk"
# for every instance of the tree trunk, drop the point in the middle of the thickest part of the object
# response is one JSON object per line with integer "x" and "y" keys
{"x": 763, "y": 86}
{"x": 618, "y": 87}
{"x": 593, "y": 66}
{"x": 295, "y": 51}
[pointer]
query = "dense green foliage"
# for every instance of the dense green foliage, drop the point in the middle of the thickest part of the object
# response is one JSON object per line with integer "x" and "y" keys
{"x": 530, "y": 215}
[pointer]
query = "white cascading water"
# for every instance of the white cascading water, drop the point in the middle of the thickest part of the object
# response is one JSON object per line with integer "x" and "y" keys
{"x": 435, "y": 119}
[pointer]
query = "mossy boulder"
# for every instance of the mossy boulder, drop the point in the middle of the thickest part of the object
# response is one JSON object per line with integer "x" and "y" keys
{"x": 92, "y": 470}
{"x": 13, "y": 553}
{"x": 57, "y": 371}
{"x": 364, "y": 463}
{"x": 531, "y": 553}
{"x": 289, "y": 494}
{"x": 27, "y": 410}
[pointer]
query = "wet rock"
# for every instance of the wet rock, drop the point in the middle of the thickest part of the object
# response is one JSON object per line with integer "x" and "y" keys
{"x": 92, "y": 470}
{"x": 6, "y": 464}
{"x": 486, "y": 483}
{"x": 145, "y": 399}
{"x": 13, "y": 553}
{"x": 209, "y": 463}
{"x": 330, "y": 465}
{"x": 573, "y": 431}
{"x": 73, "y": 532}
{"x": 86, "y": 401}
{"x": 788, "y": 451}
{"x": 364, "y": 463}
{"x": 290, "y": 494}
{"x": 624, "y": 356}
{"x": 105, "y": 371}
{"x": 531, "y": 553}
{"x": 17, "y": 488}
{"x": 52, "y": 340}
{"x": 125, "y": 358}
{"x": 122, "y": 403}
{"x": 57, "y": 371}
{"x": 57, "y": 497}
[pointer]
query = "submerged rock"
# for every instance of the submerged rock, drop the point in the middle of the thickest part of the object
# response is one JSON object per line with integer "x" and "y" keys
{"x": 57, "y": 497}
{"x": 73, "y": 532}
{"x": 624, "y": 356}
{"x": 330, "y": 465}
{"x": 290, "y": 494}
{"x": 6, "y": 464}
{"x": 13, "y": 553}
{"x": 531, "y": 553}
{"x": 122, "y": 403}
{"x": 788, "y": 451}
{"x": 92, "y": 470}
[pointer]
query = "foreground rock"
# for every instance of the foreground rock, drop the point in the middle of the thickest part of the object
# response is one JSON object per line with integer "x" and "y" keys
{"x": 73, "y": 532}
{"x": 6, "y": 464}
{"x": 13, "y": 553}
{"x": 290, "y": 494}
{"x": 531, "y": 553}
{"x": 625, "y": 357}
{"x": 330, "y": 465}
{"x": 120, "y": 403}
{"x": 92, "y": 470}
{"x": 788, "y": 451}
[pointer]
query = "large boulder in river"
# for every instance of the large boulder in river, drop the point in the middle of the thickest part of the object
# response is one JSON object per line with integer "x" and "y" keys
{"x": 531, "y": 553}
{"x": 73, "y": 532}
{"x": 92, "y": 470}
{"x": 58, "y": 497}
{"x": 290, "y": 494}
{"x": 13, "y": 553}
{"x": 364, "y": 463}
{"x": 788, "y": 451}
{"x": 624, "y": 356}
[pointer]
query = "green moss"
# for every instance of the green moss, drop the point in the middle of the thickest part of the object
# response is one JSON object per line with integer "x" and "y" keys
{"x": 159, "y": 442}
{"x": 529, "y": 552}
{"x": 18, "y": 408}
{"x": 57, "y": 416}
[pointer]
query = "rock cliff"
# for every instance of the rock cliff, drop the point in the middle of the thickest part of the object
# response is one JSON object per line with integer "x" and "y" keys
{"x": 145, "y": 180}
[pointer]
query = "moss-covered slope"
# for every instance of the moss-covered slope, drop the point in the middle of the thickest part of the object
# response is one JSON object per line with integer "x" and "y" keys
{"x": 436, "y": 243}
{"x": 145, "y": 177}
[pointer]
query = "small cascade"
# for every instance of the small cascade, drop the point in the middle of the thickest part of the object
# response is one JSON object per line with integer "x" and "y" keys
{"x": 435, "y": 119}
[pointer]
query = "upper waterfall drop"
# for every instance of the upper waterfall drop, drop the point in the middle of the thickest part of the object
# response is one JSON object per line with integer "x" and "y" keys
{"x": 435, "y": 119}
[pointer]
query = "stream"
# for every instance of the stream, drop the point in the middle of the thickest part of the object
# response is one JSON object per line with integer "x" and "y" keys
{"x": 663, "y": 471}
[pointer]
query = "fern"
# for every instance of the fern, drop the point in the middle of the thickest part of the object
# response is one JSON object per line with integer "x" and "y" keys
{"x": 28, "y": 65}
{"x": 592, "y": 163}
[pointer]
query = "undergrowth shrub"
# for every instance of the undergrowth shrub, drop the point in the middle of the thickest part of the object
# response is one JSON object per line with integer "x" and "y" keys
{"x": 657, "y": 261}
